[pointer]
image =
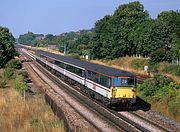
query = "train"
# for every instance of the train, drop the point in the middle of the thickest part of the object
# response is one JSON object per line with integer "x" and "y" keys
{"x": 109, "y": 85}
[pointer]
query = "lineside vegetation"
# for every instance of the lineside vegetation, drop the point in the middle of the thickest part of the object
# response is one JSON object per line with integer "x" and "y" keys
{"x": 23, "y": 114}
{"x": 163, "y": 94}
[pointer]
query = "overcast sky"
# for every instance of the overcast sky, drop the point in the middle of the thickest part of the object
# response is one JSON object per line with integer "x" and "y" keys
{"x": 58, "y": 16}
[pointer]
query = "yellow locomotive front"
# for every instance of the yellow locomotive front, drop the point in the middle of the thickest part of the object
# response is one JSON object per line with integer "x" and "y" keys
{"x": 123, "y": 90}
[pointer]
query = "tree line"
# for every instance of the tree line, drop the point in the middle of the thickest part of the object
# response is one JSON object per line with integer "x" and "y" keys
{"x": 74, "y": 42}
{"x": 129, "y": 31}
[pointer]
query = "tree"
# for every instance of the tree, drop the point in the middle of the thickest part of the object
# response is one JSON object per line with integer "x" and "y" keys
{"x": 49, "y": 38}
{"x": 160, "y": 55}
{"x": 7, "y": 50}
{"x": 27, "y": 38}
{"x": 112, "y": 33}
{"x": 171, "y": 20}
{"x": 100, "y": 46}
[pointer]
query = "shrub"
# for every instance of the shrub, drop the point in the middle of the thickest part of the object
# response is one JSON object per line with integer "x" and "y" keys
{"x": 177, "y": 73}
{"x": 155, "y": 85}
{"x": 138, "y": 64}
{"x": 74, "y": 55}
{"x": 8, "y": 73}
{"x": 15, "y": 64}
{"x": 160, "y": 55}
{"x": 162, "y": 90}
{"x": 2, "y": 83}
{"x": 20, "y": 84}
{"x": 23, "y": 73}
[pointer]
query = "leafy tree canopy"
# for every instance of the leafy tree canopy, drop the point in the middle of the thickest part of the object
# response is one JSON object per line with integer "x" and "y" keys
{"x": 7, "y": 50}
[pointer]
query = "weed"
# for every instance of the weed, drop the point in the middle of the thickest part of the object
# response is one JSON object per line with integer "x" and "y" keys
{"x": 138, "y": 64}
{"x": 74, "y": 55}
{"x": 14, "y": 63}
{"x": 3, "y": 82}
{"x": 9, "y": 73}
{"x": 20, "y": 84}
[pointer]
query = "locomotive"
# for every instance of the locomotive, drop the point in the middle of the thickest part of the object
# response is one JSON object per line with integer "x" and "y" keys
{"x": 107, "y": 84}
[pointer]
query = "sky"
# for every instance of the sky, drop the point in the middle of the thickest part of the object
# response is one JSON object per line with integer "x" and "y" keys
{"x": 59, "y": 16}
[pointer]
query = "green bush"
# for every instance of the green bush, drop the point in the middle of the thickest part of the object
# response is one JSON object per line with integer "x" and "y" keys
{"x": 162, "y": 90}
{"x": 3, "y": 83}
{"x": 160, "y": 55}
{"x": 8, "y": 73}
{"x": 23, "y": 73}
{"x": 15, "y": 64}
{"x": 154, "y": 85}
{"x": 177, "y": 71}
{"x": 138, "y": 64}
{"x": 20, "y": 84}
{"x": 74, "y": 55}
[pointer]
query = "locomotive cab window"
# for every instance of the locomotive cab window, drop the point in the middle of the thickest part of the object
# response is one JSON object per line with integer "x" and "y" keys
{"x": 132, "y": 81}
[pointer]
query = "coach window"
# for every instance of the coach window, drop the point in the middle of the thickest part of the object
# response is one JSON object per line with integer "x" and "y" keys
{"x": 91, "y": 75}
{"x": 69, "y": 68}
{"x": 83, "y": 73}
{"x": 78, "y": 71}
{"x": 50, "y": 60}
{"x": 60, "y": 64}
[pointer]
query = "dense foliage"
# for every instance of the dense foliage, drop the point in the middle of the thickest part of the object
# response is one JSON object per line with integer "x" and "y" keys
{"x": 129, "y": 31}
{"x": 153, "y": 86}
{"x": 113, "y": 34}
{"x": 164, "y": 91}
{"x": 7, "y": 50}
{"x": 14, "y": 63}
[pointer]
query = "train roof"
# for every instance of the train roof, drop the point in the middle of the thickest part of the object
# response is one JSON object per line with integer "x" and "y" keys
{"x": 87, "y": 65}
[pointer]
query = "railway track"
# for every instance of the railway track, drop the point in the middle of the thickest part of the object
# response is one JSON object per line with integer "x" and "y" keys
{"x": 161, "y": 128}
{"x": 116, "y": 119}
{"x": 83, "y": 100}
{"x": 141, "y": 78}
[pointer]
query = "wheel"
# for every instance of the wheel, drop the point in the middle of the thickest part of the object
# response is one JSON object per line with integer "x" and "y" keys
{"x": 105, "y": 102}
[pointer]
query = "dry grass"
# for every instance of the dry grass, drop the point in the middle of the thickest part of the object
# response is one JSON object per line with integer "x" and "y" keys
{"x": 164, "y": 109}
{"x": 122, "y": 63}
{"x": 175, "y": 78}
{"x": 50, "y": 50}
{"x": 46, "y": 49}
{"x": 31, "y": 115}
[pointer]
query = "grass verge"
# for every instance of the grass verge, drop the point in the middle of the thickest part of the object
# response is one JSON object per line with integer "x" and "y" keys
{"x": 32, "y": 115}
